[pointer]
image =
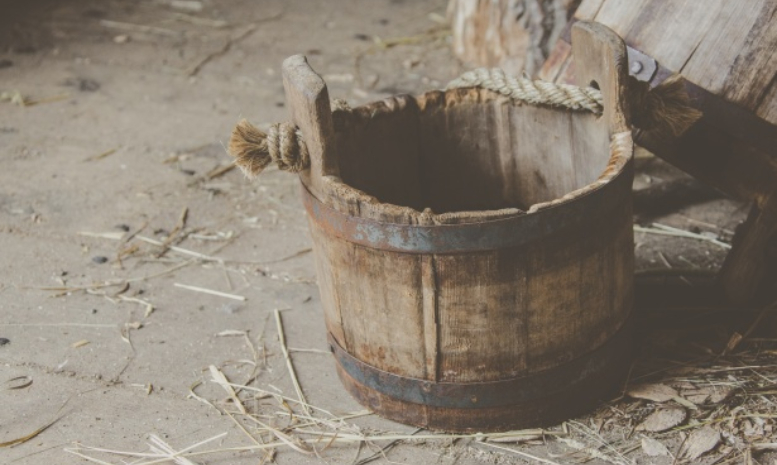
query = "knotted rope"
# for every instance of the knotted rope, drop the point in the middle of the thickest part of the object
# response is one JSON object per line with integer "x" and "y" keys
{"x": 663, "y": 112}
{"x": 254, "y": 149}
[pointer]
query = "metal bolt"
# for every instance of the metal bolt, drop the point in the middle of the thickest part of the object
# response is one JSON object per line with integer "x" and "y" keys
{"x": 636, "y": 67}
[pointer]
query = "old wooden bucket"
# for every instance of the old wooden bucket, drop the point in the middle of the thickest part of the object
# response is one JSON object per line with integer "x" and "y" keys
{"x": 474, "y": 255}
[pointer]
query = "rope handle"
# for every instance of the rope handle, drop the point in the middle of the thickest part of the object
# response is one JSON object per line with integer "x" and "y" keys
{"x": 664, "y": 111}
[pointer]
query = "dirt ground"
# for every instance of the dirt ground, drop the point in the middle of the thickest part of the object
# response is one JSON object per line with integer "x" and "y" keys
{"x": 128, "y": 108}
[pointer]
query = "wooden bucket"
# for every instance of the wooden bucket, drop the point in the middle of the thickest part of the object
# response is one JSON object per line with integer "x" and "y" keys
{"x": 474, "y": 255}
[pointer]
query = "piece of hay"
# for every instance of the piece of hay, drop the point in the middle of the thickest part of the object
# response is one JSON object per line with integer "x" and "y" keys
{"x": 292, "y": 372}
{"x": 210, "y": 291}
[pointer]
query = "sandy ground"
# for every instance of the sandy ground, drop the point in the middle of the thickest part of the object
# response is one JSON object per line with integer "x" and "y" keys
{"x": 130, "y": 107}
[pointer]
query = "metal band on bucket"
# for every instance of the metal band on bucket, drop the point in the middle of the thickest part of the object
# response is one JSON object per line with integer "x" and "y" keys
{"x": 611, "y": 355}
{"x": 468, "y": 237}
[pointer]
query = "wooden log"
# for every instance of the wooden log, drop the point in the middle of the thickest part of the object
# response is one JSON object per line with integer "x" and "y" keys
{"x": 515, "y": 35}
{"x": 474, "y": 255}
{"x": 750, "y": 270}
{"x": 726, "y": 55}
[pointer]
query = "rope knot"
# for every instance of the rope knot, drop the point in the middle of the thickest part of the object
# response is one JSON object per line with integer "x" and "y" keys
{"x": 254, "y": 149}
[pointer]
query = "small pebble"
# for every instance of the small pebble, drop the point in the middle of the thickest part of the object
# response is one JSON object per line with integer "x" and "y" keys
{"x": 123, "y": 227}
{"x": 99, "y": 259}
{"x": 83, "y": 84}
{"x": 94, "y": 311}
{"x": 121, "y": 39}
{"x": 88, "y": 85}
{"x": 360, "y": 36}
{"x": 4, "y": 341}
{"x": 189, "y": 172}
{"x": 230, "y": 308}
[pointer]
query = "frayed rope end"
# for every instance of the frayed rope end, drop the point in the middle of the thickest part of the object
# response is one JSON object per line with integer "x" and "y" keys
{"x": 248, "y": 145}
{"x": 254, "y": 150}
{"x": 664, "y": 111}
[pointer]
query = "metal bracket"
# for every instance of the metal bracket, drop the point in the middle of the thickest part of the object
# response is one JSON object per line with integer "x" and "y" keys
{"x": 608, "y": 359}
{"x": 642, "y": 67}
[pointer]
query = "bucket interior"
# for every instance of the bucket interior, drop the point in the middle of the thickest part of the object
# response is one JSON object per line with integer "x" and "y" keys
{"x": 468, "y": 150}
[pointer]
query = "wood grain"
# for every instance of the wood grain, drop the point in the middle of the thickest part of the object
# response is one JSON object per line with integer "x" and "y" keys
{"x": 515, "y": 35}
{"x": 308, "y": 100}
{"x": 727, "y": 53}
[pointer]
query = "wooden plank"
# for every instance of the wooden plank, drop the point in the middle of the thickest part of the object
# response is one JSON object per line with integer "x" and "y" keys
{"x": 327, "y": 277}
{"x": 755, "y": 68}
{"x": 380, "y": 299}
{"x": 644, "y": 25}
{"x": 431, "y": 317}
{"x": 590, "y": 147}
{"x": 481, "y": 305}
{"x": 618, "y": 16}
{"x": 459, "y": 148}
{"x": 542, "y": 150}
{"x": 711, "y": 64}
{"x": 583, "y": 310}
{"x": 589, "y": 9}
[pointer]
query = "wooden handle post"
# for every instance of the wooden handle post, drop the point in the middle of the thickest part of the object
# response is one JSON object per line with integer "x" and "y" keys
{"x": 600, "y": 57}
{"x": 308, "y": 100}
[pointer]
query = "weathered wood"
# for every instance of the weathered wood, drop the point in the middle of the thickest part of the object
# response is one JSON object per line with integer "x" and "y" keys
{"x": 308, "y": 100}
{"x": 462, "y": 247}
{"x": 752, "y": 261}
{"x": 602, "y": 63}
{"x": 515, "y": 35}
{"x": 727, "y": 47}
{"x": 726, "y": 53}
